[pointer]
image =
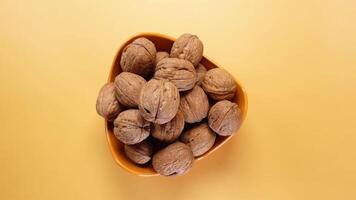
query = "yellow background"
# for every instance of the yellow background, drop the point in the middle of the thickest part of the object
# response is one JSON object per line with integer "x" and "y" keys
{"x": 296, "y": 59}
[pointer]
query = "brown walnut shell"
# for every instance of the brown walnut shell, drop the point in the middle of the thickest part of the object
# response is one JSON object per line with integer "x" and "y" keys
{"x": 201, "y": 71}
{"x": 188, "y": 47}
{"x": 219, "y": 84}
{"x": 138, "y": 57}
{"x": 180, "y": 72}
{"x": 175, "y": 159}
{"x": 128, "y": 87}
{"x": 161, "y": 55}
{"x": 224, "y": 118}
{"x": 169, "y": 131}
{"x": 107, "y": 105}
{"x": 200, "y": 139}
{"x": 159, "y": 101}
{"x": 139, "y": 153}
{"x": 130, "y": 127}
{"x": 194, "y": 105}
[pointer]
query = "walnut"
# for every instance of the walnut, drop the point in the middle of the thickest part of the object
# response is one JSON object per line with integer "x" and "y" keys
{"x": 139, "y": 153}
{"x": 175, "y": 159}
{"x": 200, "y": 139}
{"x": 219, "y": 84}
{"x": 159, "y": 101}
{"x": 188, "y": 47}
{"x": 139, "y": 57}
{"x": 171, "y": 130}
{"x": 224, "y": 118}
{"x": 107, "y": 105}
{"x": 128, "y": 87}
{"x": 201, "y": 71}
{"x": 130, "y": 127}
{"x": 194, "y": 105}
{"x": 180, "y": 72}
{"x": 160, "y": 55}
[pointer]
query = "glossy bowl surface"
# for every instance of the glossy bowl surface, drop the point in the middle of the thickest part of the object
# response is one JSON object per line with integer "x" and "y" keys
{"x": 162, "y": 43}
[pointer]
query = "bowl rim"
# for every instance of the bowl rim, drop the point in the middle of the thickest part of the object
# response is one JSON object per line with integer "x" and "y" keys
{"x": 107, "y": 132}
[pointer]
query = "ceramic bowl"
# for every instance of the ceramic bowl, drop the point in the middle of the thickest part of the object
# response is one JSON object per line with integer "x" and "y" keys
{"x": 162, "y": 43}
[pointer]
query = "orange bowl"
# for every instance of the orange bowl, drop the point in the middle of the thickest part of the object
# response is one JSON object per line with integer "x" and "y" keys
{"x": 162, "y": 43}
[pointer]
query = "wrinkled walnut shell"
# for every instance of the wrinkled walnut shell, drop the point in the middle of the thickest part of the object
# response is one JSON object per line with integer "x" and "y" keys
{"x": 107, "y": 105}
{"x": 139, "y": 57}
{"x": 188, "y": 47}
{"x": 128, "y": 87}
{"x": 169, "y": 131}
{"x": 219, "y": 84}
{"x": 161, "y": 55}
{"x": 194, "y": 105}
{"x": 180, "y": 72}
{"x": 200, "y": 139}
{"x": 175, "y": 159}
{"x": 130, "y": 127}
{"x": 139, "y": 153}
{"x": 224, "y": 118}
{"x": 159, "y": 101}
{"x": 201, "y": 71}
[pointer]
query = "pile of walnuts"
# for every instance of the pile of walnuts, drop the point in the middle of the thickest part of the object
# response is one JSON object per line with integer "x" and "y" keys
{"x": 166, "y": 107}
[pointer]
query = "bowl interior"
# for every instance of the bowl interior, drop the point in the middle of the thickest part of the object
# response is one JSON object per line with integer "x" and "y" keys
{"x": 162, "y": 43}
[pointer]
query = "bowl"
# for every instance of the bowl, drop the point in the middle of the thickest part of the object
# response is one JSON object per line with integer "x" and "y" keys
{"x": 162, "y": 43}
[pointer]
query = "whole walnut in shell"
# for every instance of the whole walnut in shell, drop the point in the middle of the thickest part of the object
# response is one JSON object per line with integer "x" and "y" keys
{"x": 160, "y": 55}
{"x": 107, "y": 105}
{"x": 219, "y": 84}
{"x": 224, "y": 118}
{"x": 194, "y": 105}
{"x": 180, "y": 72}
{"x": 139, "y": 153}
{"x": 188, "y": 47}
{"x": 200, "y": 139}
{"x": 175, "y": 159}
{"x": 130, "y": 127}
{"x": 201, "y": 71}
{"x": 128, "y": 87}
{"x": 169, "y": 131}
{"x": 138, "y": 57}
{"x": 159, "y": 101}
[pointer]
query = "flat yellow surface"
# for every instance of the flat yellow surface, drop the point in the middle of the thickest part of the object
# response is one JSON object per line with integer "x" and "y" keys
{"x": 296, "y": 59}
